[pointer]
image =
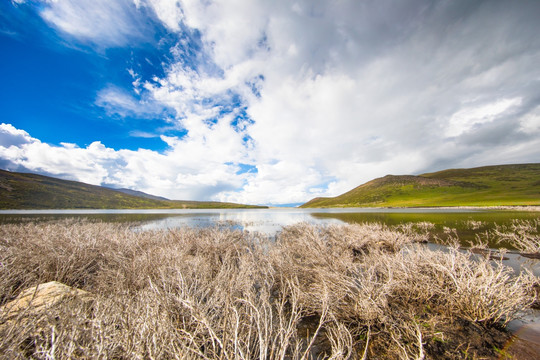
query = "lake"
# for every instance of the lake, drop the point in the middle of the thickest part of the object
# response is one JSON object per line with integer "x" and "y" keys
{"x": 270, "y": 221}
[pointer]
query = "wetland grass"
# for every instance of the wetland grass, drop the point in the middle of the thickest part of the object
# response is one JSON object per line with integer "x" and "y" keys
{"x": 335, "y": 292}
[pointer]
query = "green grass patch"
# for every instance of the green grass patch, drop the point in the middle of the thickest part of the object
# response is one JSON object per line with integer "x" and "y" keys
{"x": 503, "y": 185}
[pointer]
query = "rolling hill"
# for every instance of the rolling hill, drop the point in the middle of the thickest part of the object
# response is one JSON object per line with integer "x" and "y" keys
{"x": 32, "y": 191}
{"x": 483, "y": 186}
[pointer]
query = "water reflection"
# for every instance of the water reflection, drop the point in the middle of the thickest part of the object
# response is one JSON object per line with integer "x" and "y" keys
{"x": 268, "y": 222}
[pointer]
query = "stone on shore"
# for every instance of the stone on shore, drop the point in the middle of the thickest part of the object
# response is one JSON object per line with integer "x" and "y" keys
{"x": 39, "y": 298}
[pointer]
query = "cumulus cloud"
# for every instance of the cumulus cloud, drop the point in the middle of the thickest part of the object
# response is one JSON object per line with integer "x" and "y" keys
{"x": 10, "y": 136}
{"x": 358, "y": 90}
{"x": 189, "y": 169}
{"x": 320, "y": 97}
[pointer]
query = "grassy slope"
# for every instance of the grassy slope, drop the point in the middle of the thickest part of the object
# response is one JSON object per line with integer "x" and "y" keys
{"x": 483, "y": 186}
{"x": 31, "y": 191}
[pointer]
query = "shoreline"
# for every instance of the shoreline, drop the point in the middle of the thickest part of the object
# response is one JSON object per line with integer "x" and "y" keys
{"x": 531, "y": 208}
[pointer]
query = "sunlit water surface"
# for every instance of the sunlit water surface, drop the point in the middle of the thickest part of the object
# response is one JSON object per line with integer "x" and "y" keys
{"x": 270, "y": 221}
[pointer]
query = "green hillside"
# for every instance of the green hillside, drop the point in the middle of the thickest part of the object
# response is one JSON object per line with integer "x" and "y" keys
{"x": 483, "y": 186}
{"x": 31, "y": 191}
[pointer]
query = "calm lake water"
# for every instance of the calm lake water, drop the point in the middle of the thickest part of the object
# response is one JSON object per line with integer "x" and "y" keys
{"x": 270, "y": 221}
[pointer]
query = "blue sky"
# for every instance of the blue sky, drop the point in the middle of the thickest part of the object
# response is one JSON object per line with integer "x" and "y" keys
{"x": 265, "y": 102}
{"x": 52, "y": 83}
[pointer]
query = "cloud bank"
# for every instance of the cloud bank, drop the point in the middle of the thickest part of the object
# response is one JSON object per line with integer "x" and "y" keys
{"x": 281, "y": 102}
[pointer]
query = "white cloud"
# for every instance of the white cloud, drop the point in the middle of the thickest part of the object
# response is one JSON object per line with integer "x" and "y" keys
{"x": 10, "y": 136}
{"x": 190, "y": 169}
{"x": 142, "y": 134}
{"x": 168, "y": 11}
{"x": 469, "y": 117}
{"x": 232, "y": 29}
{"x": 353, "y": 91}
{"x": 335, "y": 94}
{"x": 530, "y": 123}
{"x": 118, "y": 101}
{"x": 101, "y": 22}
{"x": 68, "y": 160}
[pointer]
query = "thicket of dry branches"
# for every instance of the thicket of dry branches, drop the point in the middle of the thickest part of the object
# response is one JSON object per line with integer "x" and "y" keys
{"x": 524, "y": 235}
{"x": 354, "y": 291}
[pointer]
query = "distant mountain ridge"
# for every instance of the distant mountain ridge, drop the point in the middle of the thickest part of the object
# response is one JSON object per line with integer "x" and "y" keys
{"x": 141, "y": 194}
{"x": 497, "y": 185}
{"x": 33, "y": 191}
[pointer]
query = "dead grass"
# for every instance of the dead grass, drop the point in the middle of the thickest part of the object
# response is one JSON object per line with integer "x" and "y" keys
{"x": 355, "y": 291}
{"x": 524, "y": 235}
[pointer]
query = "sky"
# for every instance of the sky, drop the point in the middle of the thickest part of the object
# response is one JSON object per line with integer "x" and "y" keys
{"x": 265, "y": 102}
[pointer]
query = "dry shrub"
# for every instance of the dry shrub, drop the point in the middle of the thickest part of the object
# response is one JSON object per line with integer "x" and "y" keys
{"x": 474, "y": 224}
{"x": 187, "y": 293}
{"x": 524, "y": 235}
{"x": 460, "y": 284}
{"x": 336, "y": 292}
{"x": 392, "y": 285}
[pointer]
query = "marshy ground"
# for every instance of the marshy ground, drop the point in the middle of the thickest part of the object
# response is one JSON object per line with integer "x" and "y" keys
{"x": 365, "y": 291}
